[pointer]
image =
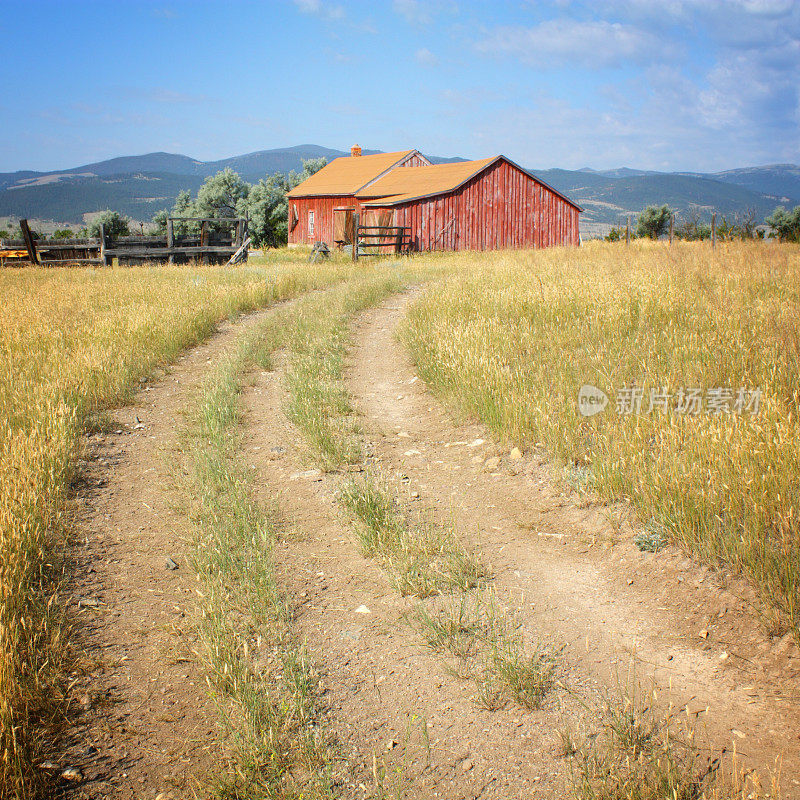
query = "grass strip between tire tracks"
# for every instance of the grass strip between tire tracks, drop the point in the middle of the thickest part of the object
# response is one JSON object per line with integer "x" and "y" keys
{"x": 259, "y": 672}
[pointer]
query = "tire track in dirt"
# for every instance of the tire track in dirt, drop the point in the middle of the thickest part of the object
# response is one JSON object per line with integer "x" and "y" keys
{"x": 388, "y": 700}
{"x": 577, "y": 576}
{"x": 143, "y": 723}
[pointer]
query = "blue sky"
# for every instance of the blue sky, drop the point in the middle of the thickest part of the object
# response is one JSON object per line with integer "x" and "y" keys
{"x": 670, "y": 85}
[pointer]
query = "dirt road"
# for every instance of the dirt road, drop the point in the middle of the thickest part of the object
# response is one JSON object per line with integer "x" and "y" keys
{"x": 400, "y": 721}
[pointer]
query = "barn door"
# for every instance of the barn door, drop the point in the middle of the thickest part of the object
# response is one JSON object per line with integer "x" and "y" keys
{"x": 344, "y": 221}
{"x": 379, "y": 218}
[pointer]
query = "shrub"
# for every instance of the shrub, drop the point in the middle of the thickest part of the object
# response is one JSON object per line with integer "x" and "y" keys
{"x": 786, "y": 224}
{"x": 114, "y": 225}
{"x": 653, "y": 221}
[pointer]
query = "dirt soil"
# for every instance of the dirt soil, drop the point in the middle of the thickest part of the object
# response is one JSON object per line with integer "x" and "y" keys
{"x": 400, "y": 721}
{"x": 143, "y": 725}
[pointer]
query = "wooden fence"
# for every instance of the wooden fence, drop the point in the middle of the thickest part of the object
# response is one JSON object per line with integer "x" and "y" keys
{"x": 219, "y": 241}
{"x": 381, "y": 240}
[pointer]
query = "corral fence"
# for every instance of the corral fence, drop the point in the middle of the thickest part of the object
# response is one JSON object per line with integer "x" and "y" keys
{"x": 381, "y": 240}
{"x": 220, "y": 240}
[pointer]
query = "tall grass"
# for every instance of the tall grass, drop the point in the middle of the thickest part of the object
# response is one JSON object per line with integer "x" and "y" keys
{"x": 74, "y": 342}
{"x": 510, "y": 339}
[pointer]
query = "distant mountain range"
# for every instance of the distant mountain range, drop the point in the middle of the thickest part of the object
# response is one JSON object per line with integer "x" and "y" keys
{"x": 138, "y": 186}
{"x": 609, "y": 196}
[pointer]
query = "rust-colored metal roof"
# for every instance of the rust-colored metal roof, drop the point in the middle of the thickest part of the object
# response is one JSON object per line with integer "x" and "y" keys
{"x": 410, "y": 183}
{"x": 414, "y": 183}
{"x": 347, "y": 175}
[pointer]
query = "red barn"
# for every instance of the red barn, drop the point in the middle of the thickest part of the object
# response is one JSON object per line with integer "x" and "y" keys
{"x": 467, "y": 205}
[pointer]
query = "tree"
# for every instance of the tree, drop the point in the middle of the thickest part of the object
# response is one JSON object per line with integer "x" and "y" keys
{"x": 184, "y": 207}
{"x": 265, "y": 207}
{"x": 114, "y": 225}
{"x": 63, "y": 233}
{"x": 220, "y": 194}
{"x": 786, "y": 224}
{"x": 691, "y": 228}
{"x": 159, "y": 219}
{"x": 653, "y": 221}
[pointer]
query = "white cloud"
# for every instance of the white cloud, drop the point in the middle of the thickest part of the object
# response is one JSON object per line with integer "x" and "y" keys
{"x": 320, "y": 9}
{"x": 560, "y": 42}
{"x": 413, "y": 11}
{"x": 424, "y": 57}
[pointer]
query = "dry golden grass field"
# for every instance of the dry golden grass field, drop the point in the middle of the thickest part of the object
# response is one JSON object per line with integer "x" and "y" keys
{"x": 75, "y": 343}
{"x": 507, "y": 339}
{"x": 512, "y": 339}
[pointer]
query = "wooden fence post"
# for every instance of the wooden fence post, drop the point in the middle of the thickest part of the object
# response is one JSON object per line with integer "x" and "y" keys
{"x": 627, "y": 230}
{"x": 714, "y": 230}
{"x": 204, "y": 239}
{"x": 671, "y": 227}
{"x": 103, "y": 256}
{"x": 170, "y": 240}
{"x": 30, "y": 242}
{"x": 355, "y": 237}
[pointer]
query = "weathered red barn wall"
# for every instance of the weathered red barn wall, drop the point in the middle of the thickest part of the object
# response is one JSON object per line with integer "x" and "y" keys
{"x": 323, "y": 217}
{"x": 323, "y": 210}
{"x": 500, "y": 208}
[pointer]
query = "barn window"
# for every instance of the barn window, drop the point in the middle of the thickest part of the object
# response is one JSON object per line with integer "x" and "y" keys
{"x": 310, "y": 223}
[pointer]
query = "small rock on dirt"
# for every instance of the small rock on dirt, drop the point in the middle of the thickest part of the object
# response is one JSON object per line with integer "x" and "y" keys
{"x": 492, "y": 463}
{"x": 466, "y": 765}
{"x": 476, "y": 443}
{"x": 72, "y": 774}
{"x": 170, "y": 564}
{"x": 362, "y": 609}
{"x": 88, "y": 602}
{"x": 515, "y": 454}
{"x": 784, "y": 644}
{"x": 308, "y": 474}
{"x": 48, "y": 766}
